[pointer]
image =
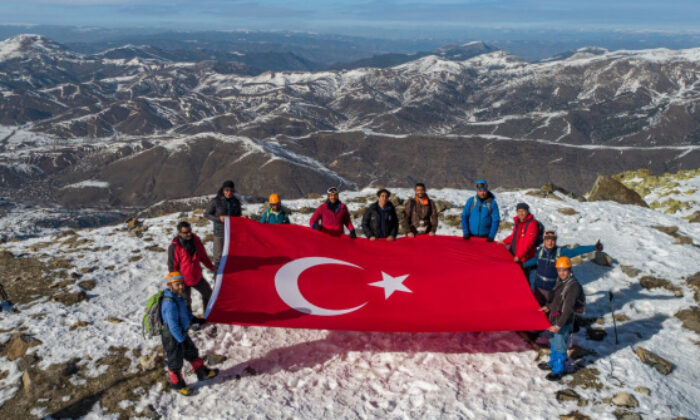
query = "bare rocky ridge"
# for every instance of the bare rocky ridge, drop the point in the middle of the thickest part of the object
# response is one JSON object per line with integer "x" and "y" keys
{"x": 148, "y": 127}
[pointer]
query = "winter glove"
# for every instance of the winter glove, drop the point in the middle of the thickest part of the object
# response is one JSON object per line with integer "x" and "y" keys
{"x": 198, "y": 321}
{"x": 598, "y": 246}
{"x": 489, "y": 239}
{"x": 466, "y": 236}
{"x": 353, "y": 235}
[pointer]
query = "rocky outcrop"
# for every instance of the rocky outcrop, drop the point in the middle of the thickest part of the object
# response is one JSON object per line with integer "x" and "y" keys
{"x": 607, "y": 188}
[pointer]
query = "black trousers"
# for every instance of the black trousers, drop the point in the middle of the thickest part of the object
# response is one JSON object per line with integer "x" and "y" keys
{"x": 176, "y": 353}
{"x": 203, "y": 288}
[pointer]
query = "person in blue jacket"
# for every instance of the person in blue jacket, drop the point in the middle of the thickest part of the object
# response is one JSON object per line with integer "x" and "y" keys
{"x": 543, "y": 279}
{"x": 480, "y": 216}
{"x": 276, "y": 213}
{"x": 178, "y": 346}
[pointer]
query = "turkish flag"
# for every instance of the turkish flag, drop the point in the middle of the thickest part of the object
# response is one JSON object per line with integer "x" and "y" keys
{"x": 293, "y": 276}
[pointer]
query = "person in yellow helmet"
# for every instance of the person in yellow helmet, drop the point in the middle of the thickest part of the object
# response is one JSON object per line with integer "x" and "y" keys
{"x": 275, "y": 213}
{"x": 566, "y": 300}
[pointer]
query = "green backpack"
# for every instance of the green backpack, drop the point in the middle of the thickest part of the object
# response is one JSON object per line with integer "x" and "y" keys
{"x": 153, "y": 320}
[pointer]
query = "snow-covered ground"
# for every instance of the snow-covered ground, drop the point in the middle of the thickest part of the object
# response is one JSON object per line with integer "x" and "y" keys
{"x": 322, "y": 374}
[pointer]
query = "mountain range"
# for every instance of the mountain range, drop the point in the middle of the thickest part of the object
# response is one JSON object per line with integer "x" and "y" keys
{"x": 136, "y": 124}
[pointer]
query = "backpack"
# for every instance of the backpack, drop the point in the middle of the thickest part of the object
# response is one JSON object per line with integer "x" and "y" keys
{"x": 153, "y": 320}
{"x": 487, "y": 205}
{"x": 540, "y": 232}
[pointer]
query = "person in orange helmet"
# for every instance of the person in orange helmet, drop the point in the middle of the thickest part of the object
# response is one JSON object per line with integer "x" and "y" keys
{"x": 275, "y": 214}
{"x": 567, "y": 299}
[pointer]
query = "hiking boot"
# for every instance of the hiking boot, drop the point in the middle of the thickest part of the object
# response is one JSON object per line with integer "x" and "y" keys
{"x": 182, "y": 389}
{"x": 178, "y": 384}
{"x": 205, "y": 373}
{"x": 554, "y": 377}
{"x": 544, "y": 366}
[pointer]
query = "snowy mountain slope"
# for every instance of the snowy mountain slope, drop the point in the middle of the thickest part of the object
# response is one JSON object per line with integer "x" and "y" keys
{"x": 595, "y": 111}
{"x": 310, "y": 374}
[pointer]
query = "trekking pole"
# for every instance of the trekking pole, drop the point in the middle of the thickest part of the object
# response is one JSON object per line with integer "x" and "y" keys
{"x": 612, "y": 311}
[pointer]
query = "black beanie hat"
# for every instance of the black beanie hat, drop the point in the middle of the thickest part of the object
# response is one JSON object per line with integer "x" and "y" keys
{"x": 228, "y": 184}
{"x": 522, "y": 206}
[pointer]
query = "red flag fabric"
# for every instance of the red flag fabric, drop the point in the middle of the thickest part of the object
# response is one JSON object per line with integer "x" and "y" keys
{"x": 293, "y": 276}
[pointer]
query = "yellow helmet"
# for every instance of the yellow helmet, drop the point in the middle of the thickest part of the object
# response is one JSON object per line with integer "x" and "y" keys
{"x": 563, "y": 262}
{"x": 274, "y": 199}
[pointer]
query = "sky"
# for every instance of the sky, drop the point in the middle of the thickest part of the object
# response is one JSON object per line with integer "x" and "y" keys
{"x": 362, "y": 17}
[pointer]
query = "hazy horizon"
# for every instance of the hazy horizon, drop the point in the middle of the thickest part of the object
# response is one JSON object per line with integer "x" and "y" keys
{"x": 371, "y": 18}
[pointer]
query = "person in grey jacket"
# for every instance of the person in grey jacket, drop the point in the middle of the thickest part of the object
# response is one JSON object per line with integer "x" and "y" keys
{"x": 224, "y": 205}
{"x": 566, "y": 299}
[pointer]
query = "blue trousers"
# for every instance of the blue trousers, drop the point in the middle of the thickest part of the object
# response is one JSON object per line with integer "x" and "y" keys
{"x": 559, "y": 343}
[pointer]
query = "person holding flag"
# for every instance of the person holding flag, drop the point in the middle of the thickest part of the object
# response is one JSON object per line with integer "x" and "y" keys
{"x": 177, "y": 344}
{"x": 332, "y": 216}
{"x": 276, "y": 213}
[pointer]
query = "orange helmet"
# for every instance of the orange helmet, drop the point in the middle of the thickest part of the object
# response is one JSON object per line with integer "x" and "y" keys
{"x": 563, "y": 262}
{"x": 274, "y": 199}
{"x": 174, "y": 277}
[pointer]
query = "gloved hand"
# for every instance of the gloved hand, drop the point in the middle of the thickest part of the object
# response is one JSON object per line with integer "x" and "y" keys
{"x": 598, "y": 246}
{"x": 489, "y": 239}
{"x": 466, "y": 236}
{"x": 353, "y": 235}
{"x": 199, "y": 321}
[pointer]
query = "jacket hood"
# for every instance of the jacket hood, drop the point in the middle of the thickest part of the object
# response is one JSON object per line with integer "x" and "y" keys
{"x": 176, "y": 240}
{"x": 529, "y": 217}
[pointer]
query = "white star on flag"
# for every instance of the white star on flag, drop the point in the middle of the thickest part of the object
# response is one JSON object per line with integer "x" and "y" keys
{"x": 391, "y": 284}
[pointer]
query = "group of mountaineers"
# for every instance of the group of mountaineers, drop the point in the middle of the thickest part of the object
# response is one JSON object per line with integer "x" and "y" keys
{"x": 546, "y": 265}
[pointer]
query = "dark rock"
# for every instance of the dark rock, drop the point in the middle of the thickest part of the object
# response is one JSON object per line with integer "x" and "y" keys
{"x": 86, "y": 270}
{"x": 570, "y": 395}
{"x": 606, "y": 188}
{"x": 690, "y": 318}
{"x": 454, "y": 220}
{"x": 626, "y": 415}
{"x": 27, "y": 361}
{"x": 630, "y": 270}
{"x": 695, "y": 217}
{"x": 567, "y": 211}
{"x": 574, "y": 415}
{"x": 87, "y": 284}
{"x": 624, "y": 399}
{"x": 651, "y": 282}
{"x": 78, "y": 324}
{"x": 586, "y": 378}
{"x": 683, "y": 240}
{"x": 442, "y": 205}
{"x": 70, "y": 298}
{"x": 669, "y": 230}
{"x": 595, "y": 334}
{"x": 662, "y": 365}
{"x": 18, "y": 344}
{"x": 250, "y": 371}
{"x": 156, "y": 248}
{"x": 215, "y": 359}
{"x": 601, "y": 258}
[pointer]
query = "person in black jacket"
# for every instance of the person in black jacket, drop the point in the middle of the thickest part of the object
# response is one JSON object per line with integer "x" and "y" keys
{"x": 566, "y": 300}
{"x": 224, "y": 205}
{"x": 380, "y": 220}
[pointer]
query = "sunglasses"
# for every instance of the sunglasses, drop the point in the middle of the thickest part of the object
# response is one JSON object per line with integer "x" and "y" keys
{"x": 332, "y": 190}
{"x": 480, "y": 186}
{"x": 228, "y": 189}
{"x": 186, "y": 232}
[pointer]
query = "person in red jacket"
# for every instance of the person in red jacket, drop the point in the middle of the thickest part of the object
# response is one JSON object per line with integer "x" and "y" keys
{"x": 522, "y": 242}
{"x": 185, "y": 255}
{"x": 331, "y": 216}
